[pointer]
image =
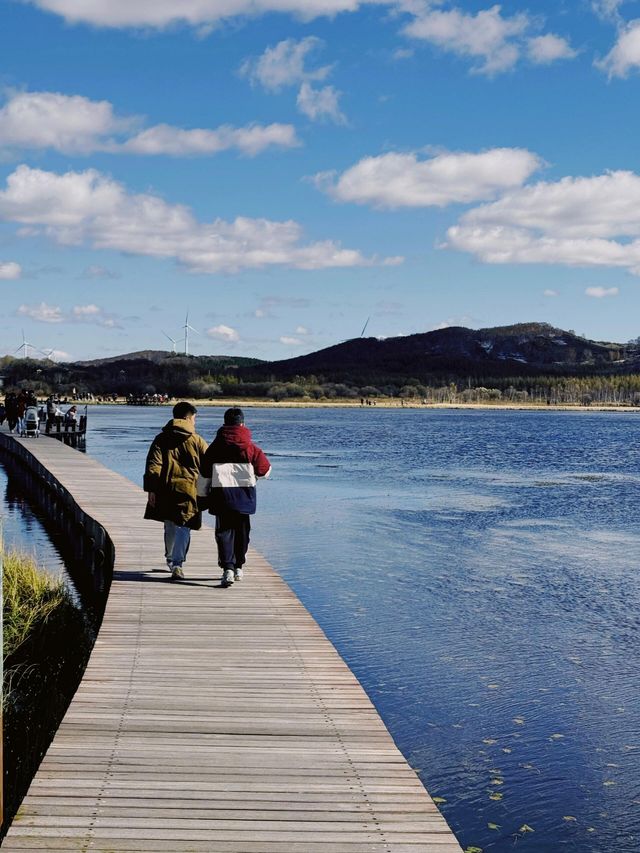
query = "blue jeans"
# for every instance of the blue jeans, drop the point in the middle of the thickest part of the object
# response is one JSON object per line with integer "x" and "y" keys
{"x": 176, "y": 543}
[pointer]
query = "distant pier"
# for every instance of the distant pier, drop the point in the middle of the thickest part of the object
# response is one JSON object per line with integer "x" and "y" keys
{"x": 208, "y": 719}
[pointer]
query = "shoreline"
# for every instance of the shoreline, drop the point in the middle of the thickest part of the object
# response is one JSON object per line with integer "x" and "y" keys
{"x": 250, "y": 403}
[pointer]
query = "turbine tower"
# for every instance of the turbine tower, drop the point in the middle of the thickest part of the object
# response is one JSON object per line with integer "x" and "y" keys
{"x": 187, "y": 328}
{"x": 173, "y": 341}
{"x": 24, "y": 346}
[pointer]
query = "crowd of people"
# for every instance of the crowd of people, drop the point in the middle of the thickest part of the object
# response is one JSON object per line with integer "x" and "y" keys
{"x": 16, "y": 405}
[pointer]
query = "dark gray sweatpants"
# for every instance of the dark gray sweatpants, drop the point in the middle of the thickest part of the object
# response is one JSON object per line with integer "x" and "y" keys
{"x": 232, "y": 538}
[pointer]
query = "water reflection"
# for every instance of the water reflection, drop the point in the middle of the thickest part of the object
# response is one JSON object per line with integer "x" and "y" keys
{"x": 25, "y": 527}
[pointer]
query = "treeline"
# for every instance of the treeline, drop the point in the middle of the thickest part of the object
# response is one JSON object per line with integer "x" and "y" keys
{"x": 210, "y": 378}
{"x": 597, "y": 390}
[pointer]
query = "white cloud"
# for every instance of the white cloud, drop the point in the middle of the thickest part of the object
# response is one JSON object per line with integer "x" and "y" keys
{"x": 42, "y": 313}
{"x": 402, "y": 180}
{"x": 550, "y": 293}
{"x": 543, "y": 50}
{"x": 176, "y": 142}
{"x": 320, "y": 104}
{"x": 624, "y": 56}
{"x": 10, "y": 270}
{"x": 575, "y": 221}
{"x": 223, "y": 333}
{"x": 284, "y": 65}
{"x": 68, "y": 123}
{"x": 95, "y": 315}
{"x": 290, "y": 342}
{"x": 74, "y": 124}
{"x": 494, "y": 42}
{"x": 601, "y": 292}
{"x": 487, "y": 37}
{"x": 87, "y": 207}
{"x": 302, "y": 330}
{"x": 198, "y": 13}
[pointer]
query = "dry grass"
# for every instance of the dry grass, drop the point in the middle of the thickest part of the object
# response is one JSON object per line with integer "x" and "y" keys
{"x": 31, "y": 597}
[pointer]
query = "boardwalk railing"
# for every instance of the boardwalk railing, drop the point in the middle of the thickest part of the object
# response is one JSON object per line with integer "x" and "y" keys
{"x": 211, "y": 719}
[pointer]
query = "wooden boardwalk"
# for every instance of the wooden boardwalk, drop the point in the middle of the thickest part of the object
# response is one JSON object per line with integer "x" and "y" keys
{"x": 212, "y": 719}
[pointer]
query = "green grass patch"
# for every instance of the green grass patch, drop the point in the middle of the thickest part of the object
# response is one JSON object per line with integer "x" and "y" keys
{"x": 32, "y": 597}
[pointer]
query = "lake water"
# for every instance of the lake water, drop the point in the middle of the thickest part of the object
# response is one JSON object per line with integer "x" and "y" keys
{"x": 478, "y": 571}
{"x": 25, "y": 527}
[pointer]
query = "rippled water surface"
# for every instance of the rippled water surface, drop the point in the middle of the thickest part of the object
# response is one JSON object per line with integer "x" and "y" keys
{"x": 479, "y": 572}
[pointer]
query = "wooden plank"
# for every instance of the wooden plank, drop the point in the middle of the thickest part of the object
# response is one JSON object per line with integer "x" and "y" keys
{"x": 180, "y": 738}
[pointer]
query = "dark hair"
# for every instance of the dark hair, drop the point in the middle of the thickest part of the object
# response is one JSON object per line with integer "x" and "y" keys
{"x": 234, "y": 417}
{"x": 181, "y": 410}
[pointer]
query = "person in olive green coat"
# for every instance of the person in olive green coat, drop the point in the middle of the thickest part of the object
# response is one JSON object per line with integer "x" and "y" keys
{"x": 170, "y": 480}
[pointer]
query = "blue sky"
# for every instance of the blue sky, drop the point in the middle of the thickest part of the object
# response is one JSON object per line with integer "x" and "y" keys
{"x": 285, "y": 169}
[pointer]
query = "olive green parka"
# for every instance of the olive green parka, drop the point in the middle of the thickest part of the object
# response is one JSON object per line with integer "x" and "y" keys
{"x": 171, "y": 473}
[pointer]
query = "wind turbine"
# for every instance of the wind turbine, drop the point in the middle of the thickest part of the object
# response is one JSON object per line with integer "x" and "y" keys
{"x": 24, "y": 346}
{"x": 187, "y": 328}
{"x": 48, "y": 353}
{"x": 173, "y": 342}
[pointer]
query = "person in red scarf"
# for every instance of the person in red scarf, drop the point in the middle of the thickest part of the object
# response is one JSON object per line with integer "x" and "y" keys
{"x": 227, "y": 487}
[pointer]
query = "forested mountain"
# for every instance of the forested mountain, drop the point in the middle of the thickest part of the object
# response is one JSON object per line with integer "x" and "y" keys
{"x": 521, "y": 361}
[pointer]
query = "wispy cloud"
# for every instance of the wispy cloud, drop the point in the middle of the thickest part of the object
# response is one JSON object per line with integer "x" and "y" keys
{"x": 176, "y": 142}
{"x": 267, "y": 305}
{"x": 96, "y": 271}
{"x": 493, "y": 42}
{"x": 45, "y": 313}
{"x": 285, "y": 65}
{"x": 73, "y": 124}
{"x": 88, "y": 207}
{"x": 601, "y": 292}
{"x": 42, "y": 313}
{"x": 403, "y": 180}
{"x": 320, "y": 104}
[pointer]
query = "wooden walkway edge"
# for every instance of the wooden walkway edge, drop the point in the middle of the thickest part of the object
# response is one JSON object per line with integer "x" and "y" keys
{"x": 212, "y": 719}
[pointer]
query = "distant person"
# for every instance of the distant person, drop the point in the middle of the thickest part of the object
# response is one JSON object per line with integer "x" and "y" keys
{"x": 11, "y": 409}
{"x": 51, "y": 412}
{"x": 22, "y": 408}
{"x": 71, "y": 417}
{"x": 170, "y": 479}
{"x": 230, "y": 468}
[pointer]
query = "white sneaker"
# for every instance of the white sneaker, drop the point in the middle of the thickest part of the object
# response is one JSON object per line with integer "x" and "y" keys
{"x": 228, "y": 577}
{"x": 238, "y": 574}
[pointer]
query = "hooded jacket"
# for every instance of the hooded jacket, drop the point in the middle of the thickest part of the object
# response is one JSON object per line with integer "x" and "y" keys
{"x": 171, "y": 473}
{"x": 229, "y": 471}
